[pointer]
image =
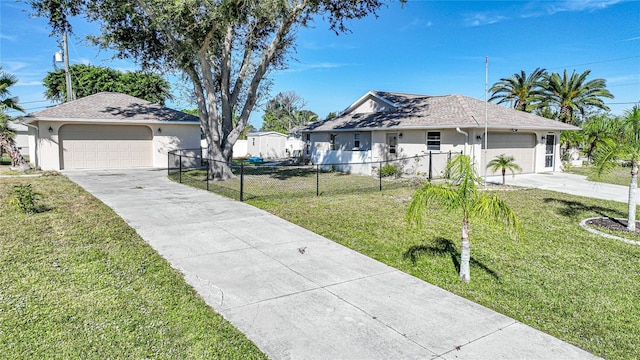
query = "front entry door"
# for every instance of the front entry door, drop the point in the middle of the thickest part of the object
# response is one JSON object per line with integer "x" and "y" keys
{"x": 549, "y": 157}
{"x": 392, "y": 146}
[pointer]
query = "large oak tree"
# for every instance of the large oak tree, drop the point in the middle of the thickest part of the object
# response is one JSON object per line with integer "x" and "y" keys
{"x": 225, "y": 48}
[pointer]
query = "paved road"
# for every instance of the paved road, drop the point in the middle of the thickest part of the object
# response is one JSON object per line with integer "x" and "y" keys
{"x": 297, "y": 295}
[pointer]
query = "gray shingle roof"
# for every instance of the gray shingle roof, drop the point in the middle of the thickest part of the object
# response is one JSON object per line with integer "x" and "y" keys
{"x": 111, "y": 106}
{"x": 448, "y": 111}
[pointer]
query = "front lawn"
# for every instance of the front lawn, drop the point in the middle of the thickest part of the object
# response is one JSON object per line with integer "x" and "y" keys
{"x": 78, "y": 283}
{"x": 620, "y": 175}
{"x": 558, "y": 278}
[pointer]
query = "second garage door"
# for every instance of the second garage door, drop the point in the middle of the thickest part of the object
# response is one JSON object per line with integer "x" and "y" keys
{"x": 520, "y": 146}
{"x": 106, "y": 146}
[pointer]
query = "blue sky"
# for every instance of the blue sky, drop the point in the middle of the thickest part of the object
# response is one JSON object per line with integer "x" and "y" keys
{"x": 425, "y": 47}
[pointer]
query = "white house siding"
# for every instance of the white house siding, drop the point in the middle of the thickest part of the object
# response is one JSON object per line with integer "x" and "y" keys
{"x": 358, "y": 162}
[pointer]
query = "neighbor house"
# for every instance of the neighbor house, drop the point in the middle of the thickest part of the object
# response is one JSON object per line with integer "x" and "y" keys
{"x": 21, "y": 137}
{"x": 108, "y": 130}
{"x": 388, "y": 126}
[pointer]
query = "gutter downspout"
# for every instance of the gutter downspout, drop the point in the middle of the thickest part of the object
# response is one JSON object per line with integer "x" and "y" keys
{"x": 36, "y": 161}
{"x": 466, "y": 139}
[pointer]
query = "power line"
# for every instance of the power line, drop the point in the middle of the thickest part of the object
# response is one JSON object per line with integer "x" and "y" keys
{"x": 594, "y": 62}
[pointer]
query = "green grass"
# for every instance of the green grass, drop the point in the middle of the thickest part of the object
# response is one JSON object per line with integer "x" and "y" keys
{"x": 77, "y": 282}
{"x": 620, "y": 175}
{"x": 558, "y": 278}
{"x": 264, "y": 182}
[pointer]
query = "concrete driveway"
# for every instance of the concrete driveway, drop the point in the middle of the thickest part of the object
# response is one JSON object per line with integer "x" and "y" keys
{"x": 298, "y": 295}
{"x": 569, "y": 184}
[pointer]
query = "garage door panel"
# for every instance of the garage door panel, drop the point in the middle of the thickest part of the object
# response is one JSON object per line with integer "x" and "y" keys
{"x": 104, "y": 146}
{"x": 520, "y": 146}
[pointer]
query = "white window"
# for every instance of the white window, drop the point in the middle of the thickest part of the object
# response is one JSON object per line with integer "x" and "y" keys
{"x": 332, "y": 141}
{"x": 433, "y": 141}
{"x": 356, "y": 140}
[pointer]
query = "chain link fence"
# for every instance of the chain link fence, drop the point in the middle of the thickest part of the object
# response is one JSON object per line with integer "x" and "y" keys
{"x": 287, "y": 179}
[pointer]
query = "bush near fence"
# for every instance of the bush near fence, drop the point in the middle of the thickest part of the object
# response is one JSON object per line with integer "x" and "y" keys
{"x": 281, "y": 179}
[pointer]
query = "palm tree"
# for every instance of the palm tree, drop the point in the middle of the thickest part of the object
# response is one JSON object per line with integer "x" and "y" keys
{"x": 461, "y": 194}
{"x": 573, "y": 94}
{"x": 6, "y": 134}
{"x": 624, "y": 146}
{"x": 595, "y": 130}
{"x": 525, "y": 91}
{"x": 503, "y": 163}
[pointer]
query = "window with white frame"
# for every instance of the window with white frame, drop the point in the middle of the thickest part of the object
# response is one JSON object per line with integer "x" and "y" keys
{"x": 332, "y": 142}
{"x": 356, "y": 140}
{"x": 433, "y": 140}
{"x": 308, "y": 143}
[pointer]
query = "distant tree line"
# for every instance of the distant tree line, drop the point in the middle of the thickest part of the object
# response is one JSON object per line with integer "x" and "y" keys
{"x": 88, "y": 80}
{"x": 285, "y": 112}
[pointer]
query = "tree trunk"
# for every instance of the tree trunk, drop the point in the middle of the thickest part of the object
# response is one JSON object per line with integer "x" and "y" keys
{"x": 9, "y": 146}
{"x": 633, "y": 193}
{"x": 504, "y": 181}
{"x": 465, "y": 252}
{"x": 566, "y": 115}
{"x": 220, "y": 166}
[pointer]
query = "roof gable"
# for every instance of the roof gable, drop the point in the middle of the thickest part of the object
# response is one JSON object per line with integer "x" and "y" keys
{"x": 425, "y": 112}
{"x": 370, "y": 102}
{"x": 110, "y": 106}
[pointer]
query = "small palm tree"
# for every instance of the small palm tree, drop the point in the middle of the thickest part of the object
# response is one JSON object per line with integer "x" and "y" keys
{"x": 461, "y": 194}
{"x": 573, "y": 94}
{"x": 524, "y": 91}
{"x": 503, "y": 163}
{"x": 6, "y": 135}
{"x": 624, "y": 146}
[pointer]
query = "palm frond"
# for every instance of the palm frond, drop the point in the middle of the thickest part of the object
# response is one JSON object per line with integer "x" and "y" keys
{"x": 491, "y": 207}
{"x": 428, "y": 195}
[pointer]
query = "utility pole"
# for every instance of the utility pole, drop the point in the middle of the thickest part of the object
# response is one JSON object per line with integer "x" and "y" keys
{"x": 486, "y": 115}
{"x": 66, "y": 68}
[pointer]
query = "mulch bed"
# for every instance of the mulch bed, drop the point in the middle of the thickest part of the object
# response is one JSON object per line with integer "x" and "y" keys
{"x": 613, "y": 224}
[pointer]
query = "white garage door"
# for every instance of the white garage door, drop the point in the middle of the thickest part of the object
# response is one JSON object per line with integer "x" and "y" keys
{"x": 106, "y": 146}
{"x": 520, "y": 146}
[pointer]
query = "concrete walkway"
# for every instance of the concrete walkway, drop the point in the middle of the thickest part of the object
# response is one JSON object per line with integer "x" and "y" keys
{"x": 568, "y": 183}
{"x": 297, "y": 295}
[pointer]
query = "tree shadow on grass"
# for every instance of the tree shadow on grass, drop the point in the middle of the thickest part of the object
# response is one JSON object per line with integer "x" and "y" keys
{"x": 576, "y": 208}
{"x": 443, "y": 247}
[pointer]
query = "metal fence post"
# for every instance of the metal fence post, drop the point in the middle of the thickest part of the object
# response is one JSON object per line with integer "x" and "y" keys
{"x": 380, "y": 175}
{"x": 180, "y": 169}
{"x": 169, "y": 156}
{"x": 317, "y": 179}
{"x": 430, "y": 166}
{"x": 207, "y": 173}
{"x": 242, "y": 182}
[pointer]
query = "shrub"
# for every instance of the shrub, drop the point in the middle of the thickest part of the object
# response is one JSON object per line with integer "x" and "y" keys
{"x": 24, "y": 199}
{"x": 388, "y": 170}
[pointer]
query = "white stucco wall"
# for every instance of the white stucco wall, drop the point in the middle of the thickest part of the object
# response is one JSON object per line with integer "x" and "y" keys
{"x": 172, "y": 136}
{"x": 414, "y": 142}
